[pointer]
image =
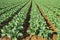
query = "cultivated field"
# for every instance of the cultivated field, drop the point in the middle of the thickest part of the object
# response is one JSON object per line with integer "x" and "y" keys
{"x": 29, "y": 19}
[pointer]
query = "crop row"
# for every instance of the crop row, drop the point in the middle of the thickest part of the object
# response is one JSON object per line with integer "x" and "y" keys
{"x": 7, "y": 3}
{"x": 10, "y": 8}
{"x": 9, "y": 13}
{"x": 53, "y": 16}
{"x": 13, "y": 29}
{"x": 38, "y": 25}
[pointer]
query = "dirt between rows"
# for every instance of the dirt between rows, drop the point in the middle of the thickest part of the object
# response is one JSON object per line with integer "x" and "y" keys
{"x": 35, "y": 37}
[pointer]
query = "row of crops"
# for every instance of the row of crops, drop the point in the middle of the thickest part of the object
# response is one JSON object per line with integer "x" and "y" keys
{"x": 12, "y": 18}
{"x": 37, "y": 24}
{"x": 8, "y": 3}
{"x": 52, "y": 9}
{"x": 19, "y": 18}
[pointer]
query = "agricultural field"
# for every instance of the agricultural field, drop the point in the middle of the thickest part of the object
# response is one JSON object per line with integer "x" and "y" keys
{"x": 29, "y": 19}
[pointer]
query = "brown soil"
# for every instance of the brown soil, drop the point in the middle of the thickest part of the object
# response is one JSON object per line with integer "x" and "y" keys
{"x": 35, "y": 37}
{"x": 54, "y": 37}
{"x": 5, "y": 38}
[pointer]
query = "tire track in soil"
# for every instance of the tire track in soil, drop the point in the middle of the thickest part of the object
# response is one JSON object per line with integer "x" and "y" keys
{"x": 5, "y": 22}
{"x": 49, "y": 23}
{"x": 9, "y": 9}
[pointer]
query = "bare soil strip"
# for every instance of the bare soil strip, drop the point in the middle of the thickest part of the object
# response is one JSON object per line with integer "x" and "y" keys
{"x": 49, "y": 23}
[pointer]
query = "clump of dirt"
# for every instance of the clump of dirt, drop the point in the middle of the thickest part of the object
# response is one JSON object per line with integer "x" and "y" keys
{"x": 5, "y": 38}
{"x": 35, "y": 37}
